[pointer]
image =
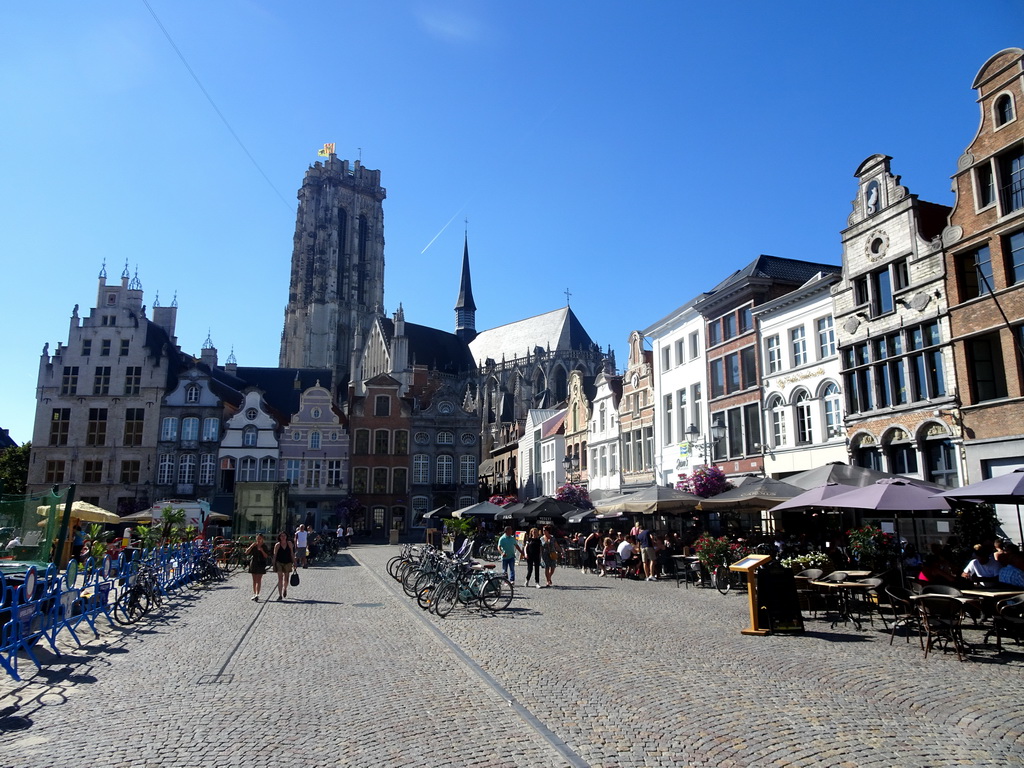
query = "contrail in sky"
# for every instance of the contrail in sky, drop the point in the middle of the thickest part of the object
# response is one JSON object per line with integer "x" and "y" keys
{"x": 444, "y": 228}
{"x": 521, "y": 142}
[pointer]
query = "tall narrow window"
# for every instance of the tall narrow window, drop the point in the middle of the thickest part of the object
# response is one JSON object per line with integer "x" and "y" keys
{"x": 268, "y": 469}
{"x": 445, "y": 470}
{"x": 132, "y": 379}
{"x": 250, "y": 436}
{"x": 975, "y": 272}
{"x": 401, "y": 442}
{"x": 101, "y": 380}
{"x": 668, "y": 419}
{"x": 211, "y": 430}
{"x": 192, "y": 394}
{"x": 69, "y": 381}
{"x": 293, "y": 471}
{"x": 1011, "y": 179}
{"x": 467, "y": 470}
{"x": 134, "y": 421}
{"x": 105, "y": 347}
{"x": 190, "y": 428}
{"x": 97, "y": 427}
{"x": 833, "y": 410}
{"x": 773, "y": 354}
{"x": 362, "y": 442}
{"x": 804, "y": 431}
{"x": 207, "y": 469}
{"x": 313, "y": 467}
{"x": 985, "y": 367}
{"x": 314, "y": 440}
{"x": 826, "y": 337}
{"x": 381, "y": 441}
{"x": 1004, "y": 109}
{"x": 748, "y": 367}
{"x": 1015, "y": 252}
{"x": 399, "y": 481}
{"x": 798, "y": 340}
{"x": 777, "y": 416}
{"x": 125, "y": 348}
{"x": 165, "y": 469}
{"x": 187, "y": 469}
{"x": 60, "y": 422}
{"x": 169, "y": 428}
{"x": 382, "y": 406}
{"x": 420, "y": 469}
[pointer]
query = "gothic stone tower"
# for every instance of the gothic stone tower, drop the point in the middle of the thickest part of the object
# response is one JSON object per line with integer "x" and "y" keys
{"x": 337, "y": 280}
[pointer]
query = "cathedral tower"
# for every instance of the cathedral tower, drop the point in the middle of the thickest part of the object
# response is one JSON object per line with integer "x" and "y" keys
{"x": 337, "y": 278}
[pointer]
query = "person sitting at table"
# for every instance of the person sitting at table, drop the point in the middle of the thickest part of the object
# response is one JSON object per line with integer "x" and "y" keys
{"x": 627, "y": 552}
{"x": 983, "y": 568}
{"x": 935, "y": 571}
{"x": 607, "y": 556}
{"x": 1011, "y": 563}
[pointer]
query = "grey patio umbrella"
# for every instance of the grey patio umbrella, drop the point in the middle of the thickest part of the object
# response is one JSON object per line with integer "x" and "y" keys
{"x": 756, "y": 493}
{"x": 483, "y": 509}
{"x": 892, "y": 496}
{"x": 442, "y": 512}
{"x": 837, "y": 472}
{"x": 654, "y": 499}
{"x": 815, "y": 498}
{"x": 1004, "y": 489}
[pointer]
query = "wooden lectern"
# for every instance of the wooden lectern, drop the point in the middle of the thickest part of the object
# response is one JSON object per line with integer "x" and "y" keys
{"x": 748, "y": 565}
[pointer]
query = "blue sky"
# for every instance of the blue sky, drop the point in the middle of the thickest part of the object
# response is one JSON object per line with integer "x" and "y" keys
{"x": 634, "y": 152}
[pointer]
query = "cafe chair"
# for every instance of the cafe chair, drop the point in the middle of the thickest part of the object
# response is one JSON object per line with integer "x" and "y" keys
{"x": 836, "y": 576}
{"x": 904, "y": 613}
{"x": 943, "y": 618}
{"x": 941, "y": 589}
{"x": 810, "y": 597}
{"x": 867, "y": 602}
{"x": 1007, "y": 621}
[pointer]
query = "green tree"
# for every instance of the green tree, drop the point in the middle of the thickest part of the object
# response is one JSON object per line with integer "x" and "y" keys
{"x": 14, "y": 468}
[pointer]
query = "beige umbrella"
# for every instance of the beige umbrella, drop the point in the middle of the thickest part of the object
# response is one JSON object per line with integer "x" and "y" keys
{"x": 82, "y": 510}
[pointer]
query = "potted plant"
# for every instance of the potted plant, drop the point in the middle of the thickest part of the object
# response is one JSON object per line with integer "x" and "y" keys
{"x": 870, "y": 547}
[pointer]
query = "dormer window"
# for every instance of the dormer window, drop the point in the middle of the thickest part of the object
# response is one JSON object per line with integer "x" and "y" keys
{"x": 192, "y": 394}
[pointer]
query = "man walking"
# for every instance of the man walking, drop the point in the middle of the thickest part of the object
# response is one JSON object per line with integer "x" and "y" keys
{"x": 301, "y": 542}
{"x": 509, "y": 546}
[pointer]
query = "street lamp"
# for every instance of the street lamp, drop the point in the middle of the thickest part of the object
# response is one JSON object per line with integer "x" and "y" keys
{"x": 509, "y": 477}
{"x": 704, "y": 446}
{"x": 571, "y": 465}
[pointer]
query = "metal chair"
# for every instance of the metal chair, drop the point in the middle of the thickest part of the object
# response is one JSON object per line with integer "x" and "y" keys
{"x": 810, "y": 597}
{"x": 943, "y": 618}
{"x": 1008, "y": 620}
{"x": 868, "y": 602}
{"x": 904, "y": 613}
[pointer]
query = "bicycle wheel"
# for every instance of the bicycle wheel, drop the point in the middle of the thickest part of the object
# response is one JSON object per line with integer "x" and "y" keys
{"x": 393, "y": 565}
{"x": 721, "y": 577}
{"x": 445, "y": 599}
{"x": 411, "y": 581}
{"x": 496, "y": 593}
{"x": 130, "y": 606}
{"x": 425, "y": 594}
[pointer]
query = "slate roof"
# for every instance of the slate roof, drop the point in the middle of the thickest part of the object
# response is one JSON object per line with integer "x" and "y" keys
{"x": 436, "y": 349}
{"x": 559, "y": 329}
{"x": 767, "y": 269}
{"x": 278, "y": 384}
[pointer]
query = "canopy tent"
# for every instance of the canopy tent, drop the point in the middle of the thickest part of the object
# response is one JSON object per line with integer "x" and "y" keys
{"x": 1003, "y": 489}
{"x": 86, "y": 512}
{"x": 654, "y": 499}
{"x": 483, "y": 509}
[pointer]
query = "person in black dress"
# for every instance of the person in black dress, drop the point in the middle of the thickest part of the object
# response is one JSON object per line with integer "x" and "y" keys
{"x": 259, "y": 555}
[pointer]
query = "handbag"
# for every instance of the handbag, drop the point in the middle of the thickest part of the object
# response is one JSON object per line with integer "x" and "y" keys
{"x": 294, "y": 581}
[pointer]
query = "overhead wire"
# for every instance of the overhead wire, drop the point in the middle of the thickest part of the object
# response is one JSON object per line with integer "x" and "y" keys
{"x": 213, "y": 104}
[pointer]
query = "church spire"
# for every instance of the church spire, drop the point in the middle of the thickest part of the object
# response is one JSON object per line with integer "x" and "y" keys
{"x": 465, "y": 307}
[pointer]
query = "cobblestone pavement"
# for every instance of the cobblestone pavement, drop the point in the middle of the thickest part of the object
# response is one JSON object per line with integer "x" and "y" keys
{"x": 596, "y": 672}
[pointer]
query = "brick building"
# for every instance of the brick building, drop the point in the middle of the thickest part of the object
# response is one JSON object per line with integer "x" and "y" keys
{"x": 985, "y": 273}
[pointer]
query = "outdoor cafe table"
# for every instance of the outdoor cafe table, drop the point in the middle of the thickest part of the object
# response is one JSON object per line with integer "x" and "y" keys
{"x": 683, "y": 563}
{"x": 856, "y": 574}
{"x": 843, "y": 591}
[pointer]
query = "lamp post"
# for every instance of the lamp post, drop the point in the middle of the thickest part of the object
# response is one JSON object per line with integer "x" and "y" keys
{"x": 571, "y": 465}
{"x": 509, "y": 478}
{"x": 705, "y": 447}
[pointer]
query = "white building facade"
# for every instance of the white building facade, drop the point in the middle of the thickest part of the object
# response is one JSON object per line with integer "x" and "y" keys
{"x": 801, "y": 380}
{"x": 603, "y": 478}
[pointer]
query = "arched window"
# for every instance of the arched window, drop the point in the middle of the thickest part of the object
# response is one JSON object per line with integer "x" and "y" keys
{"x": 445, "y": 470}
{"x": 192, "y": 394}
{"x": 190, "y": 428}
{"x": 268, "y": 469}
{"x": 444, "y": 437}
{"x": 247, "y": 469}
{"x": 1004, "y": 109}
{"x": 602, "y": 418}
{"x": 777, "y": 415}
{"x": 833, "y": 410}
{"x": 249, "y": 436}
{"x": 166, "y": 471}
{"x": 804, "y": 430}
{"x": 187, "y": 469}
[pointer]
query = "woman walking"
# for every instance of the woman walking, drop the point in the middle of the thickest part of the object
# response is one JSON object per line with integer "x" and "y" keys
{"x": 284, "y": 559}
{"x": 259, "y": 555}
{"x": 532, "y": 547}
{"x": 549, "y": 553}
